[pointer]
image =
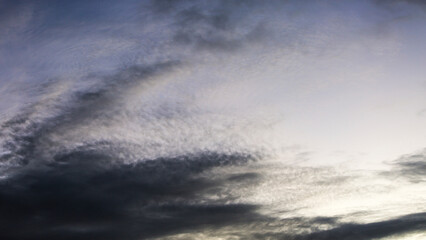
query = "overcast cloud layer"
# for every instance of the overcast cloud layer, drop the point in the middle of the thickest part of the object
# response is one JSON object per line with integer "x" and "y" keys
{"x": 192, "y": 119}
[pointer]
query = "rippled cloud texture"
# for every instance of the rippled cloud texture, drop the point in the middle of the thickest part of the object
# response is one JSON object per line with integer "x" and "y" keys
{"x": 191, "y": 119}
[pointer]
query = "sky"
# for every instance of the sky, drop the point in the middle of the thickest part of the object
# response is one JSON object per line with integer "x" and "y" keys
{"x": 192, "y": 119}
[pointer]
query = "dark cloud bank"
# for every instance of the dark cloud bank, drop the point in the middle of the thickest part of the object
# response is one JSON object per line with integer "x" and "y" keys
{"x": 83, "y": 193}
{"x": 77, "y": 197}
{"x": 81, "y": 196}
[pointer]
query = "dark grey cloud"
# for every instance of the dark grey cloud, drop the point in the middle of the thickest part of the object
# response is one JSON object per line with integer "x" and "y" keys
{"x": 380, "y": 229}
{"x": 81, "y": 196}
{"x": 412, "y": 167}
{"x": 351, "y": 231}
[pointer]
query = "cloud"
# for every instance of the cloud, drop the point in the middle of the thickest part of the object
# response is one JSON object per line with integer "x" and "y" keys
{"x": 312, "y": 228}
{"x": 219, "y": 26}
{"x": 24, "y": 133}
{"x": 81, "y": 195}
{"x": 56, "y": 189}
{"x": 380, "y": 229}
{"x": 412, "y": 167}
{"x": 77, "y": 162}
